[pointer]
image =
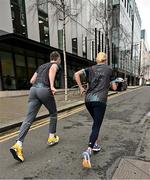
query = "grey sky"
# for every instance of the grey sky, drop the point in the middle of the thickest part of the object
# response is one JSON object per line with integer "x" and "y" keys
{"x": 144, "y": 10}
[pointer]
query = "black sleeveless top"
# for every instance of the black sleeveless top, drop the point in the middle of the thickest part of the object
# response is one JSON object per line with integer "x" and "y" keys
{"x": 43, "y": 74}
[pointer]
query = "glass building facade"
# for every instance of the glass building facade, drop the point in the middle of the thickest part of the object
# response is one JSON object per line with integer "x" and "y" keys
{"x": 125, "y": 37}
{"x": 24, "y": 47}
{"x": 19, "y": 59}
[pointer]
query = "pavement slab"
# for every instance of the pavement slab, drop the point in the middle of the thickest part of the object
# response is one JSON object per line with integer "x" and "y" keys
{"x": 132, "y": 169}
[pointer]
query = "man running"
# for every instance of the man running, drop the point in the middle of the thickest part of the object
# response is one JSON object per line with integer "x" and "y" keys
{"x": 41, "y": 92}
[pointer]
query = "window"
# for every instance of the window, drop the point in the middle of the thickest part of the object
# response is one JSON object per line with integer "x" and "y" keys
{"x": 74, "y": 46}
{"x": 70, "y": 76}
{"x": 21, "y": 72}
{"x": 125, "y": 3}
{"x": 8, "y": 75}
{"x": 31, "y": 66}
{"x": 130, "y": 11}
{"x": 92, "y": 50}
{"x": 99, "y": 41}
{"x": 102, "y": 42}
{"x": 115, "y": 56}
{"x": 43, "y": 21}
{"x": 127, "y": 6}
{"x": 40, "y": 61}
{"x": 19, "y": 17}
{"x": 60, "y": 39}
{"x": 84, "y": 46}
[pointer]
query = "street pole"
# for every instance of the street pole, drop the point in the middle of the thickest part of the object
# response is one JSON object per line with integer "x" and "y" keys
{"x": 125, "y": 67}
{"x": 95, "y": 42}
{"x": 135, "y": 67}
{"x": 139, "y": 69}
{"x": 110, "y": 12}
{"x": 99, "y": 41}
{"x": 64, "y": 52}
{"x": 106, "y": 32}
{"x": 132, "y": 36}
{"x": 137, "y": 54}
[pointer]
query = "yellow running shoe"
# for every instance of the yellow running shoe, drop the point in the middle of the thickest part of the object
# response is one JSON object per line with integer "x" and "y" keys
{"x": 86, "y": 160}
{"x": 17, "y": 152}
{"x": 52, "y": 141}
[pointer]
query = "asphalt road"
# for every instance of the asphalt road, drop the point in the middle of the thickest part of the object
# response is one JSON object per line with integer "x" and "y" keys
{"x": 121, "y": 136}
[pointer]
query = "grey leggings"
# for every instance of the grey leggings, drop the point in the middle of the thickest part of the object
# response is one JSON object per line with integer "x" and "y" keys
{"x": 37, "y": 97}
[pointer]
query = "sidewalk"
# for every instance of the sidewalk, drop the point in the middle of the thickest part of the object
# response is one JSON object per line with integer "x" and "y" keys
{"x": 134, "y": 87}
{"x": 13, "y": 109}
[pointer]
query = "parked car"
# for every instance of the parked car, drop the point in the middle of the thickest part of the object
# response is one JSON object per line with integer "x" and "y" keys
{"x": 121, "y": 84}
{"x": 147, "y": 83}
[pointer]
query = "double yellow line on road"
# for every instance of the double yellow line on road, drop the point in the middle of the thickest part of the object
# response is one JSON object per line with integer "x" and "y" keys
{"x": 61, "y": 116}
{"x": 42, "y": 123}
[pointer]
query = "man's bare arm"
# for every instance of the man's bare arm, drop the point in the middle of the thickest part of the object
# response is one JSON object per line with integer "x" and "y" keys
{"x": 52, "y": 75}
{"x": 33, "y": 79}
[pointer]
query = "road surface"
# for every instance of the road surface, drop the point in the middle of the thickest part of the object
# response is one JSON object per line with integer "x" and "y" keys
{"x": 122, "y": 135}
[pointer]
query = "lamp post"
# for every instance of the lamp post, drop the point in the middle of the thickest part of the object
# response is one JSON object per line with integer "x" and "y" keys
{"x": 135, "y": 61}
{"x": 131, "y": 69}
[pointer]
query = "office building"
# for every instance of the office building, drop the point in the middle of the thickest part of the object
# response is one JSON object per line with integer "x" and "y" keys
{"x": 31, "y": 29}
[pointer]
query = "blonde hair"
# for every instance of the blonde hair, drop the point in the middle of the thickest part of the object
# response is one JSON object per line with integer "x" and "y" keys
{"x": 101, "y": 57}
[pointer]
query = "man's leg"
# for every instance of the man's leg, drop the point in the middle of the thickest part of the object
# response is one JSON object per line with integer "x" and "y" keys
{"x": 48, "y": 101}
{"x": 33, "y": 108}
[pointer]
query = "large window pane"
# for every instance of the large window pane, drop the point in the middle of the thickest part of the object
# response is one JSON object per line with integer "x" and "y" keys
{"x": 31, "y": 66}
{"x": 40, "y": 62}
{"x": 7, "y": 63}
{"x": 19, "y": 17}
{"x": 43, "y": 21}
{"x": 84, "y": 46}
{"x": 21, "y": 72}
{"x": 74, "y": 46}
{"x": 7, "y": 70}
{"x": 92, "y": 50}
{"x": 60, "y": 39}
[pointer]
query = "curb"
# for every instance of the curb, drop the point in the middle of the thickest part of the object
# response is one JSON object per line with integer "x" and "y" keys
{"x": 15, "y": 125}
{"x": 136, "y": 87}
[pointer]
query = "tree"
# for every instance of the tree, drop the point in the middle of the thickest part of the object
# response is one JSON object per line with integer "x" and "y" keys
{"x": 125, "y": 42}
{"x": 102, "y": 12}
{"x": 63, "y": 11}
